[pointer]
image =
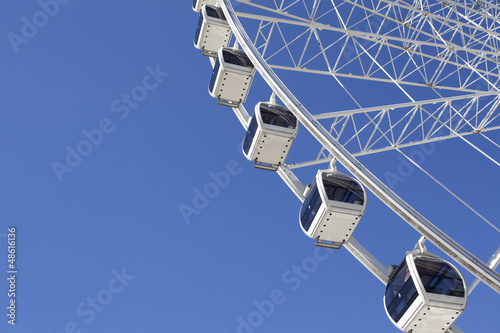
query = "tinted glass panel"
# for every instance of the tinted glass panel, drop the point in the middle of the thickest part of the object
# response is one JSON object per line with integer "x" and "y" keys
{"x": 400, "y": 292}
{"x": 214, "y": 76}
{"x": 439, "y": 278}
{"x": 250, "y": 134}
{"x": 236, "y": 57}
{"x": 232, "y": 58}
{"x": 343, "y": 189}
{"x": 215, "y": 12}
{"x": 278, "y": 116}
{"x": 194, "y": 3}
{"x": 198, "y": 30}
{"x": 310, "y": 208}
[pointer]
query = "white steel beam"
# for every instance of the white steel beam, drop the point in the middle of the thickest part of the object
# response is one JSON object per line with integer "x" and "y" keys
{"x": 336, "y": 114}
{"x": 367, "y": 259}
{"x": 492, "y": 263}
{"x": 298, "y": 21}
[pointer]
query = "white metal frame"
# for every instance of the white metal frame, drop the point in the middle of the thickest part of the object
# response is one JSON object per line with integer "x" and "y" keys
{"x": 420, "y": 41}
{"x": 419, "y": 44}
{"x": 334, "y": 148}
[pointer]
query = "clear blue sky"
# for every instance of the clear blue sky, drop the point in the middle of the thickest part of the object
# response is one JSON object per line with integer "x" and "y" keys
{"x": 101, "y": 243}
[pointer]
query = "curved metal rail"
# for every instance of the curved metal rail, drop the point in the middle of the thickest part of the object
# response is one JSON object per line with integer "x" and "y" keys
{"x": 394, "y": 202}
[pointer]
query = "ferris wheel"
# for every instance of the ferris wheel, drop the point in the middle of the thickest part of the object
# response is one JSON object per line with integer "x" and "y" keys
{"x": 432, "y": 71}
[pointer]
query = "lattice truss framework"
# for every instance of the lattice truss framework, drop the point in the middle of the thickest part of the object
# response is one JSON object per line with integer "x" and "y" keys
{"x": 450, "y": 48}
